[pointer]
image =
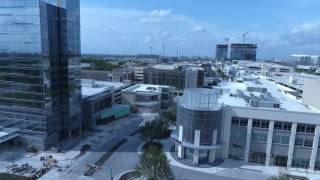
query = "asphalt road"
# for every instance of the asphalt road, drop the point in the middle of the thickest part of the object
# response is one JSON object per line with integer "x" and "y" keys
{"x": 103, "y": 142}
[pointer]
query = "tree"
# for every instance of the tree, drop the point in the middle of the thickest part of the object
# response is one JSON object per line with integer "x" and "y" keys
{"x": 169, "y": 116}
{"x": 172, "y": 115}
{"x": 152, "y": 130}
{"x": 154, "y": 165}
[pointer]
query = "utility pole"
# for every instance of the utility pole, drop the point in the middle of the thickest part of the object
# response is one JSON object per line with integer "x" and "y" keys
{"x": 243, "y": 41}
{"x": 150, "y": 49}
{"x": 163, "y": 49}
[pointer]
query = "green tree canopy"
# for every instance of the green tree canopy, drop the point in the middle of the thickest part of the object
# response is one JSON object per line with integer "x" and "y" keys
{"x": 154, "y": 165}
{"x": 152, "y": 130}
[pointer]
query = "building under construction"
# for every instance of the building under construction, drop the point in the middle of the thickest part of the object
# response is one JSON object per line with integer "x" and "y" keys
{"x": 241, "y": 51}
{"x": 222, "y": 51}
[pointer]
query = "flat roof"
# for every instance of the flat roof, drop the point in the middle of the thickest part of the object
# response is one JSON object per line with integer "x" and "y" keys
{"x": 146, "y": 88}
{"x": 287, "y": 101}
{"x": 295, "y": 80}
{"x": 165, "y": 66}
{"x": 91, "y": 87}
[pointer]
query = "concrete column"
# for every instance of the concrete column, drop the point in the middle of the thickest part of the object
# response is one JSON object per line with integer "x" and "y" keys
{"x": 291, "y": 143}
{"x": 248, "y": 141}
{"x": 314, "y": 148}
{"x": 180, "y": 148}
{"x": 212, "y": 153}
{"x": 196, "y": 151}
{"x": 269, "y": 143}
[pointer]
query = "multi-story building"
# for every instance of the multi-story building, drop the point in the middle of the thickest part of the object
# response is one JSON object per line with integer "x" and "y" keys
{"x": 96, "y": 75}
{"x": 138, "y": 73}
{"x": 222, "y": 51}
{"x": 306, "y": 60}
{"x": 40, "y": 70}
{"x": 253, "y": 121}
{"x": 243, "y": 51}
{"x": 123, "y": 75}
{"x": 98, "y": 105}
{"x": 147, "y": 97}
{"x": 178, "y": 76}
{"x": 271, "y": 68}
{"x": 90, "y": 86}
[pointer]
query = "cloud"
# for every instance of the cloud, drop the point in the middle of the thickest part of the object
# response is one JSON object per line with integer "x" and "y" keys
{"x": 199, "y": 29}
{"x": 304, "y": 34}
{"x": 160, "y": 13}
{"x": 122, "y": 31}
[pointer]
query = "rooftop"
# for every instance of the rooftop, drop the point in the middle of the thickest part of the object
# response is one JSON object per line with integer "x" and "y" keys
{"x": 165, "y": 66}
{"x": 275, "y": 92}
{"x": 91, "y": 87}
{"x": 145, "y": 88}
{"x": 295, "y": 80}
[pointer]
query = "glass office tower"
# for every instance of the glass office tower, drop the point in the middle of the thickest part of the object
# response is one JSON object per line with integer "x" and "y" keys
{"x": 40, "y": 89}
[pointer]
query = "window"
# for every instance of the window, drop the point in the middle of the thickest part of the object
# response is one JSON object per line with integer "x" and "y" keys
{"x": 310, "y": 128}
{"x": 243, "y": 122}
{"x": 263, "y": 137}
{"x": 308, "y": 142}
{"x": 256, "y": 123}
{"x": 285, "y": 139}
{"x": 278, "y": 125}
{"x": 276, "y": 139}
{"x": 264, "y": 124}
{"x": 298, "y": 142}
{"x": 276, "y": 105}
{"x": 287, "y": 126}
{"x": 301, "y": 128}
{"x": 300, "y": 163}
{"x": 235, "y": 121}
{"x": 306, "y": 128}
{"x": 238, "y": 133}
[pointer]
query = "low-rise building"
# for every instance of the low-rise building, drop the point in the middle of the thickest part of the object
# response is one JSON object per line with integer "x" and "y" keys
{"x": 123, "y": 75}
{"x": 175, "y": 75}
{"x": 147, "y": 97}
{"x": 89, "y": 86}
{"x": 271, "y": 68}
{"x": 255, "y": 121}
{"x": 96, "y": 75}
{"x": 98, "y": 104}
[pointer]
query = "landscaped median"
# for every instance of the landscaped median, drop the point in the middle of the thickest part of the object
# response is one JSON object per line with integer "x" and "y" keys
{"x": 97, "y": 165}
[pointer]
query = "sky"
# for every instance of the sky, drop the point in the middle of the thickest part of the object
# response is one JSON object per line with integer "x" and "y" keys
{"x": 194, "y": 27}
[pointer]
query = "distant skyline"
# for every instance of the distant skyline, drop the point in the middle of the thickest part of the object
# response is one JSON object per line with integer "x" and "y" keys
{"x": 279, "y": 27}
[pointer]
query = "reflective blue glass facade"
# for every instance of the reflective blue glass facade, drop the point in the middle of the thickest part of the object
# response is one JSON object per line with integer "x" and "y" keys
{"x": 40, "y": 69}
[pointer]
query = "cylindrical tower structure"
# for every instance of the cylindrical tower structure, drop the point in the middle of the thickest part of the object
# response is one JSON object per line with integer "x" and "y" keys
{"x": 198, "y": 126}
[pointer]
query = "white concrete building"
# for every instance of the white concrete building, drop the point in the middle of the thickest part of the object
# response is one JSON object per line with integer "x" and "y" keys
{"x": 147, "y": 97}
{"x": 256, "y": 121}
{"x": 91, "y": 87}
